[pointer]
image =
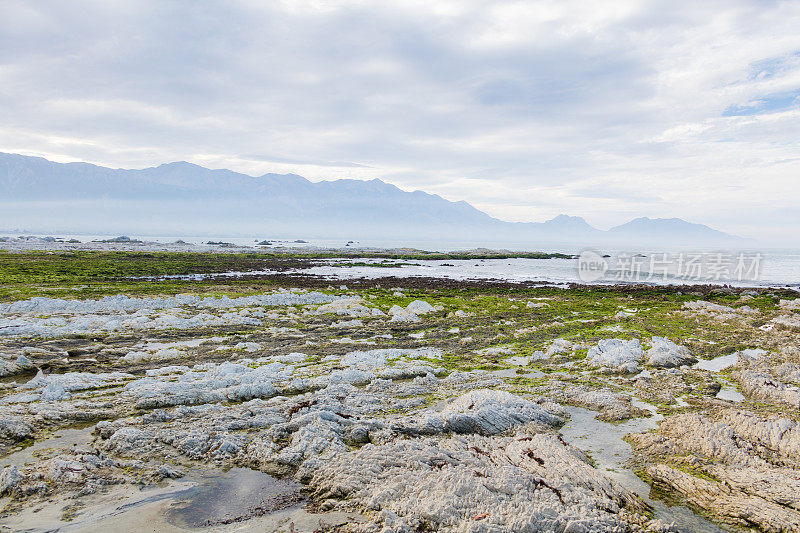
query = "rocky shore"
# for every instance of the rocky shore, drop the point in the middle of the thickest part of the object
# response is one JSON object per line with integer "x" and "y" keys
{"x": 399, "y": 406}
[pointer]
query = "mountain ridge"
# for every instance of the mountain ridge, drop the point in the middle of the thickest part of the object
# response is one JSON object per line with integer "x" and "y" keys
{"x": 183, "y": 195}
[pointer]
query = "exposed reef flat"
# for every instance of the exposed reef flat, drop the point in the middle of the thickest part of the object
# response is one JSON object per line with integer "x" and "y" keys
{"x": 392, "y": 404}
{"x": 266, "y": 248}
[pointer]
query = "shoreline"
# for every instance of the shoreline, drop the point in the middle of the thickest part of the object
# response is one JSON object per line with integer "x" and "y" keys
{"x": 83, "y": 273}
{"x": 320, "y": 252}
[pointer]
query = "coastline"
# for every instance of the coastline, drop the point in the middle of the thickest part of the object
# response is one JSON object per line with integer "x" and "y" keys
{"x": 300, "y": 383}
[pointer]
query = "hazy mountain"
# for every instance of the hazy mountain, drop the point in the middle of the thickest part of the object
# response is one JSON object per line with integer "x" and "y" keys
{"x": 669, "y": 230}
{"x": 183, "y": 198}
{"x": 570, "y": 227}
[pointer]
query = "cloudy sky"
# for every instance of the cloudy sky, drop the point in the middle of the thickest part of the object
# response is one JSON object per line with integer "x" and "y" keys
{"x": 608, "y": 110}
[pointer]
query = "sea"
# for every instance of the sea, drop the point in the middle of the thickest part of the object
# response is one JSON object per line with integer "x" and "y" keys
{"x": 751, "y": 267}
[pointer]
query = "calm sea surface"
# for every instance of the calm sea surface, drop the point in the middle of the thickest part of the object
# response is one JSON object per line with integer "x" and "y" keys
{"x": 751, "y": 267}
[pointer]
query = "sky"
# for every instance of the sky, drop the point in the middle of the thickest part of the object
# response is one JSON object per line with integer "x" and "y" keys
{"x": 606, "y": 110}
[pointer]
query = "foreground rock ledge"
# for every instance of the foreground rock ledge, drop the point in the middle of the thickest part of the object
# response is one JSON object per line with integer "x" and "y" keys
{"x": 524, "y": 483}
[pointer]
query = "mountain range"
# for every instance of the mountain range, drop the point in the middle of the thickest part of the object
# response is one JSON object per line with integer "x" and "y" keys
{"x": 186, "y": 199}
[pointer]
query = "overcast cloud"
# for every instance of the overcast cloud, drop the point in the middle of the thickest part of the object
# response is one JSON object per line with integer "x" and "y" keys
{"x": 607, "y": 110}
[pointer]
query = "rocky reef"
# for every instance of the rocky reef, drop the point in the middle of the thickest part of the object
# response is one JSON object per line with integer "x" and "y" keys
{"x": 405, "y": 408}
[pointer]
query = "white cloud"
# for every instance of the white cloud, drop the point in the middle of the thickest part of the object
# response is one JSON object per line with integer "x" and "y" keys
{"x": 525, "y": 109}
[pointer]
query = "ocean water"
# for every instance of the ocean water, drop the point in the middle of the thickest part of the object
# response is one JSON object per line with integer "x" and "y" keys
{"x": 783, "y": 272}
{"x": 652, "y": 265}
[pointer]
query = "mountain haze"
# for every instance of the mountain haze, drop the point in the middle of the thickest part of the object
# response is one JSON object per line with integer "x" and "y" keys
{"x": 183, "y": 198}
